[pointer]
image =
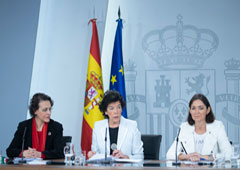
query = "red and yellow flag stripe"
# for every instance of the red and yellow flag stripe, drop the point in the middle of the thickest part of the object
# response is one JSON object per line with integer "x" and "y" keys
{"x": 94, "y": 91}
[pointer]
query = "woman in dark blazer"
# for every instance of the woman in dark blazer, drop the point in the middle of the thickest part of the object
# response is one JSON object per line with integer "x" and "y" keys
{"x": 43, "y": 136}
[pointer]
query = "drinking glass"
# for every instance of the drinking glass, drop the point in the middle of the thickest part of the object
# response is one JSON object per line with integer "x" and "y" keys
{"x": 236, "y": 151}
{"x": 83, "y": 157}
{"x": 235, "y": 155}
{"x": 79, "y": 159}
{"x": 69, "y": 153}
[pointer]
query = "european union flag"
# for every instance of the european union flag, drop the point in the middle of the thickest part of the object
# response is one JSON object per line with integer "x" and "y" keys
{"x": 117, "y": 81}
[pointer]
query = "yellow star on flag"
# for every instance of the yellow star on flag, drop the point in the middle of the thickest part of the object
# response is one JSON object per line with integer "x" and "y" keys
{"x": 113, "y": 79}
{"x": 121, "y": 70}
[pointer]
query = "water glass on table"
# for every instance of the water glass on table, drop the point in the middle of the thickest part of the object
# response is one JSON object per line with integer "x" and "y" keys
{"x": 80, "y": 158}
{"x": 69, "y": 153}
{"x": 235, "y": 155}
{"x": 236, "y": 151}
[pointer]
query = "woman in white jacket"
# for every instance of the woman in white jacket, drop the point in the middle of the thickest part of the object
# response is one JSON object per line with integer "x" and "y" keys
{"x": 201, "y": 137}
{"x": 123, "y": 136}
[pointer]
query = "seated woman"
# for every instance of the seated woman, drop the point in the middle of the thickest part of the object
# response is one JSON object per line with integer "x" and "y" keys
{"x": 123, "y": 136}
{"x": 43, "y": 136}
{"x": 201, "y": 137}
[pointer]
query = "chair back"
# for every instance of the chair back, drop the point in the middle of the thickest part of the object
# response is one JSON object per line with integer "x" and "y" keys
{"x": 66, "y": 139}
{"x": 151, "y": 146}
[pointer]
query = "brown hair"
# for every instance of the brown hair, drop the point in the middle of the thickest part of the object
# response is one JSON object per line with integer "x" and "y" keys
{"x": 36, "y": 99}
{"x": 210, "y": 116}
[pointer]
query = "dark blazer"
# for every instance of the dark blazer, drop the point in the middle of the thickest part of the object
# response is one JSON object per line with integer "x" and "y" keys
{"x": 54, "y": 141}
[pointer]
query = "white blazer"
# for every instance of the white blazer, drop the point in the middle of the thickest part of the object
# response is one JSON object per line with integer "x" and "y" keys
{"x": 128, "y": 141}
{"x": 216, "y": 141}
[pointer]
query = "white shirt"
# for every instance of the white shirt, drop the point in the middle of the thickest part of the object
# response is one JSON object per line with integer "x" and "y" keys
{"x": 199, "y": 142}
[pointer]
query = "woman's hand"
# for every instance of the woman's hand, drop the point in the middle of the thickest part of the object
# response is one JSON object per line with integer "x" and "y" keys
{"x": 195, "y": 157}
{"x": 192, "y": 157}
{"x": 31, "y": 153}
{"x": 27, "y": 154}
{"x": 90, "y": 154}
{"x": 118, "y": 154}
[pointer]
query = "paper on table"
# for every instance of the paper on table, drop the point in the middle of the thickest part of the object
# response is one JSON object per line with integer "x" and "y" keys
{"x": 37, "y": 162}
{"x": 100, "y": 157}
{"x": 128, "y": 160}
{"x": 198, "y": 163}
{"x": 17, "y": 159}
{"x": 209, "y": 163}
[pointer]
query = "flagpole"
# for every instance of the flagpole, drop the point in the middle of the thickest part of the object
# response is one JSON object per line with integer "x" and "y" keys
{"x": 119, "y": 13}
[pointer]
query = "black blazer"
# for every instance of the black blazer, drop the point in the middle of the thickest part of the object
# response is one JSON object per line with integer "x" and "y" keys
{"x": 54, "y": 141}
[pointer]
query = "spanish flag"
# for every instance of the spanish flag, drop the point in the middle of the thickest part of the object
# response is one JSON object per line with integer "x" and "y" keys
{"x": 94, "y": 91}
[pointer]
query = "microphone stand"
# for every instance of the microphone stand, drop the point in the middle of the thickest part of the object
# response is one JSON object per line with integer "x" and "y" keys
{"x": 105, "y": 161}
{"x": 106, "y": 145}
{"x": 22, "y": 161}
{"x": 102, "y": 161}
{"x": 176, "y": 163}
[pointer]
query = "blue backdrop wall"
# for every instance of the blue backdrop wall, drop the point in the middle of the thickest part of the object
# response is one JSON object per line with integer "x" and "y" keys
{"x": 18, "y": 28}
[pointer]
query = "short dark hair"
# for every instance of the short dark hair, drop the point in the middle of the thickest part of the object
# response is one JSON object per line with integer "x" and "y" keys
{"x": 36, "y": 99}
{"x": 210, "y": 116}
{"x": 110, "y": 96}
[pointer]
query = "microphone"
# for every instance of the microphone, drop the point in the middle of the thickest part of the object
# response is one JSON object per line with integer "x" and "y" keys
{"x": 176, "y": 163}
{"x": 106, "y": 144}
{"x": 23, "y": 141}
{"x": 113, "y": 146}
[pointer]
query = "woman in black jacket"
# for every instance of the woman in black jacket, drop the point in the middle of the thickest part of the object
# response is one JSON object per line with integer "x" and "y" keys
{"x": 43, "y": 136}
